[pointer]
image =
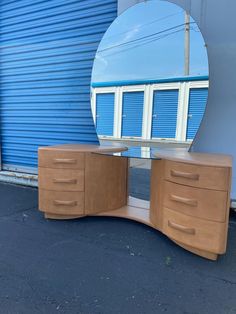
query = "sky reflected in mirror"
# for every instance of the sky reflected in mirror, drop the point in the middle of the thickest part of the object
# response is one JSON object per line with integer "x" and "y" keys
{"x": 147, "y": 42}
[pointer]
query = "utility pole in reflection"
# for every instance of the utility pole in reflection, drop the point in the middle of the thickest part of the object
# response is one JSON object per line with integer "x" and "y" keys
{"x": 187, "y": 45}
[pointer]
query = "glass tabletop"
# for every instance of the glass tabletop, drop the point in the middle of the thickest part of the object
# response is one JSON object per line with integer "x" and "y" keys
{"x": 139, "y": 152}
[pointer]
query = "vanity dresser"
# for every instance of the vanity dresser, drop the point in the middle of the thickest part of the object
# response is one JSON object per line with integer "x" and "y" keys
{"x": 189, "y": 192}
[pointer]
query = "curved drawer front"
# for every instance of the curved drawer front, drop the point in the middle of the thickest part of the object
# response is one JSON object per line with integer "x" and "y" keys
{"x": 69, "y": 203}
{"x": 196, "y": 202}
{"x": 194, "y": 232}
{"x": 61, "y": 160}
{"x": 61, "y": 179}
{"x": 214, "y": 178}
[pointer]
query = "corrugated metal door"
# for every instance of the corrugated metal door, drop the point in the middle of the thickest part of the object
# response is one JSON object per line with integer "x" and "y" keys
{"x": 132, "y": 114}
{"x": 164, "y": 115}
{"x": 47, "y": 52}
{"x": 105, "y": 113}
{"x": 197, "y": 105}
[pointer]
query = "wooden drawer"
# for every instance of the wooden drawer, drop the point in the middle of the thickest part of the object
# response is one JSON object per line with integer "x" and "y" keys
{"x": 214, "y": 178}
{"x": 61, "y": 179}
{"x": 195, "y": 232}
{"x": 60, "y": 160}
{"x": 69, "y": 203}
{"x": 202, "y": 203}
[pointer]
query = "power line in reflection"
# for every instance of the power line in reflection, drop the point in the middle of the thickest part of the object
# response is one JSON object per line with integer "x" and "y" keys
{"x": 143, "y": 37}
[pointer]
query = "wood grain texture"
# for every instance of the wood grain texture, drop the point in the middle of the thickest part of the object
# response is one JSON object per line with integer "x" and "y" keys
{"x": 61, "y": 179}
{"x": 105, "y": 183}
{"x": 214, "y": 178}
{"x": 205, "y": 254}
{"x": 157, "y": 193}
{"x": 61, "y": 203}
{"x": 83, "y": 148}
{"x": 196, "y": 202}
{"x": 57, "y": 159}
{"x": 61, "y": 217}
{"x": 201, "y": 159}
{"x": 190, "y": 193}
{"x": 134, "y": 212}
{"x": 195, "y": 232}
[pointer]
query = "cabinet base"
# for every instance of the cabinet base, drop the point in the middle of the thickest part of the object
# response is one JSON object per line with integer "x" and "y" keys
{"x": 138, "y": 214}
{"x": 61, "y": 217}
{"x": 205, "y": 254}
{"x": 137, "y": 210}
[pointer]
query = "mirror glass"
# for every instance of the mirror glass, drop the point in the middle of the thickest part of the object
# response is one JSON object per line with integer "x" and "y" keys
{"x": 150, "y": 76}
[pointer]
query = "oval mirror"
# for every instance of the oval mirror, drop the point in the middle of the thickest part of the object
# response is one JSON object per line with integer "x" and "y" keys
{"x": 150, "y": 77}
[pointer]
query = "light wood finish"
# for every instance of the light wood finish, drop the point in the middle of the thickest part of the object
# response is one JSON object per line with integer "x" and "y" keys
{"x": 194, "y": 232}
{"x": 84, "y": 148}
{"x": 135, "y": 210}
{"x": 61, "y": 203}
{"x": 205, "y": 254}
{"x": 157, "y": 193}
{"x": 105, "y": 183}
{"x": 194, "y": 201}
{"x": 61, "y": 179}
{"x": 61, "y": 217}
{"x": 190, "y": 193}
{"x": 64, "y": 169}
{"x": 200, "y": 159}
{"x": 60, "y": 159}
{"x": 71, "y": 156}
{"x": 214, "y": 178}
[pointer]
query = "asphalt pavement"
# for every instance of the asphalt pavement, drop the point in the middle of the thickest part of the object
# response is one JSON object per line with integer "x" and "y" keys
{"x": 104, "y": 265}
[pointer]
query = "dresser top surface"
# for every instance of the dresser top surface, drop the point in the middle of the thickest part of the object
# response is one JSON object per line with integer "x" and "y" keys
{"x": 83, "y": 148}
{"x": 172, "y": 154}
{"x": 204, "y": 159}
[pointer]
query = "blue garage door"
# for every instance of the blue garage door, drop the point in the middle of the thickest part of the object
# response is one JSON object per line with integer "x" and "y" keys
{"x": 132, "y": 114}
{"x": 197, "y": 104}
{"x": 47, "y": 53}
{"x": 164, "y": 116}
{"x": 105, "y": 113}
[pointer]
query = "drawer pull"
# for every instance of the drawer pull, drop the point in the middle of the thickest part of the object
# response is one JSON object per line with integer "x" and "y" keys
{"x": 65, "y": 161}
{"x": 181, "y": 228}
{"x": 186, "y": 201}
{"x": 65, "y": 203}
{"x": 186, "y": 175}
{"x": 66, "y": 181}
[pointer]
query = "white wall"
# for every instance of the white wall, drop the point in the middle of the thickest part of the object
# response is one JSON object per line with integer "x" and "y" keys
{"x": 217, "y": 21}
{"x": 125, "y": 4}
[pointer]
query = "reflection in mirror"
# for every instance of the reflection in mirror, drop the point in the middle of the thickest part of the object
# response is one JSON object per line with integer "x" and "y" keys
{"x": 150, "y": 76}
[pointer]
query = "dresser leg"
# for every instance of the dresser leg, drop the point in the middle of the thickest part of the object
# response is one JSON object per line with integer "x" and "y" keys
{"x": 62, "y": 217}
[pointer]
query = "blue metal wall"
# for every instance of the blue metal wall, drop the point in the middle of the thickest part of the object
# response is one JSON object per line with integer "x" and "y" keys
{"x": 47, "y": 52}
{"x": 164, "y": 116}
{"x": 132, "y": 114}
{"x": 197, "y": 105}
{"x": 105, "y": 113}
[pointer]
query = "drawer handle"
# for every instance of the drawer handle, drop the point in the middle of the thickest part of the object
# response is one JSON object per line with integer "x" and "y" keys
{"x": 66, "y": 181}
{"x": 65, "y": 161}
{"x": 186, "y": 175}
{"x": 65, "y": 203}
{"x": 181, "y": 228}
{"x": 186, "y": 201}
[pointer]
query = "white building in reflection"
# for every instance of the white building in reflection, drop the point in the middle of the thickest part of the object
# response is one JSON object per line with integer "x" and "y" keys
{"x": 151, "y": 110}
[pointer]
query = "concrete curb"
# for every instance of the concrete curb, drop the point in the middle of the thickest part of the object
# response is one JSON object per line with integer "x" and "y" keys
{"x": 19, "y": 178}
